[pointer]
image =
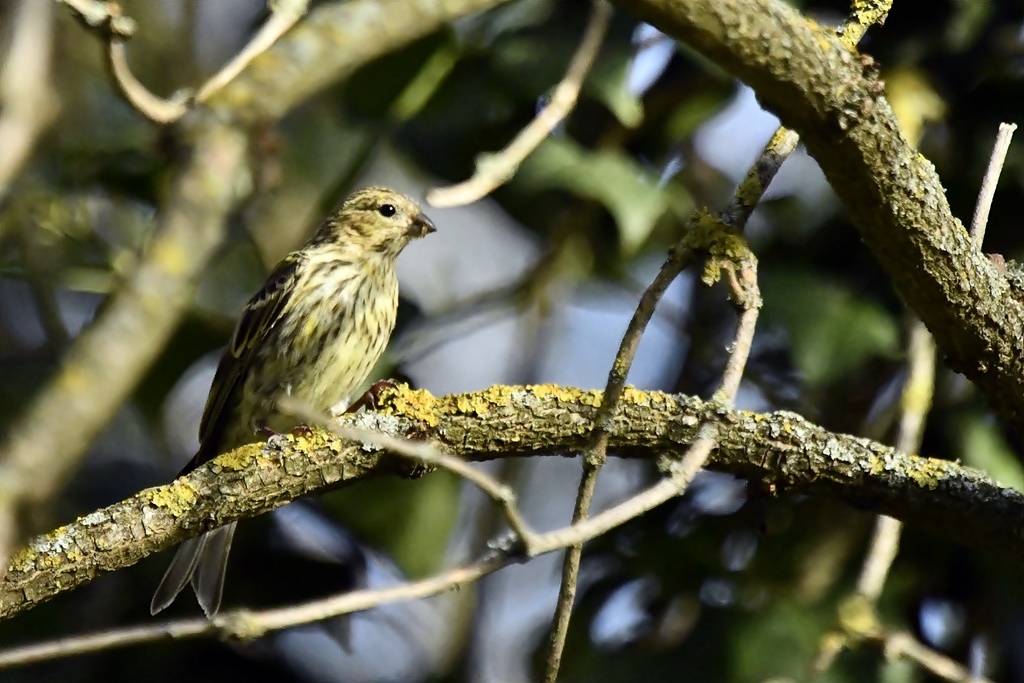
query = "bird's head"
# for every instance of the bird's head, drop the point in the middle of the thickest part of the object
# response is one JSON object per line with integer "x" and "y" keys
{"x": 376, "y": 220}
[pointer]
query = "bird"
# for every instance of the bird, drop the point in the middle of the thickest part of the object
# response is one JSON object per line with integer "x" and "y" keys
{"x": 313, "y": 332}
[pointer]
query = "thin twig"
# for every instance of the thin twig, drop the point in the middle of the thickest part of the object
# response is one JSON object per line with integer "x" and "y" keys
{"x": 153, "y": 107}
{"x": 99, "y": 14}
{"x": 989, "y": 182}
{"x": 901, "y": 644}
{"x": 284, "y": 15}
{"x": 594, "y": 458}
{"x": 494, "y": 170}
{"x": 916, "y": 402}
{"x": 429, "y": 453}
{"x": 742, "y": 276}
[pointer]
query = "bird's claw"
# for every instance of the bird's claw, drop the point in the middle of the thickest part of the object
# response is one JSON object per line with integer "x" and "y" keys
{"x": 371, "y": 399}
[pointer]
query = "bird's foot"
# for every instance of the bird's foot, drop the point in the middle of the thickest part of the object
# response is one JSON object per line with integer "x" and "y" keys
{"x": 275, "y": 438}
{"x": 371, "y": 399}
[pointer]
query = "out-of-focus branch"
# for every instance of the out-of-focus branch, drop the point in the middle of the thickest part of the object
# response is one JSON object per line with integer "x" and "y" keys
{"x": 494, "y": 170}
{"x": 27, "y": 99}
{"x": 99, "y": 371}
{"x": 286, "y": 62}
{"x": 832, "y": 96}
{"x": 328, "y": 45}
{"x": 284, "y": 14}
{"x": 101, "y": 14}
{"x": 779, "y": 452}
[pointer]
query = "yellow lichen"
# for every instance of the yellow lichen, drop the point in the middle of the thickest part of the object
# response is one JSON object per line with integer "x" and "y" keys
{"x": 24, "y": 560}
{"x": 176, "y": 497}
{"x": 631, "y": 394}
{"x": 416, "y": 404}
{"x": 238, "y": 459}
{"x": 926, "y": 472}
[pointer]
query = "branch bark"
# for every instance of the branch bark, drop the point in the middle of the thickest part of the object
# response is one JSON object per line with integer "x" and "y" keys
{"x": 779, "y": 452}
{"x": 833, "y": 98}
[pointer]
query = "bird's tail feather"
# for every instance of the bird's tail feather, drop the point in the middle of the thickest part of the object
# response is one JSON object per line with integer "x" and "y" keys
{"x": 203, "y": 561}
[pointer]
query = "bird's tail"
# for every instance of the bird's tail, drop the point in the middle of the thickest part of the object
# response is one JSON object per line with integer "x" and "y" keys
{"x": 203, "y": 560}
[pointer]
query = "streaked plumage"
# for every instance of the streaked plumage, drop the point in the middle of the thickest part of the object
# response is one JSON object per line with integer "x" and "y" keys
{"x": 313, "y": 331}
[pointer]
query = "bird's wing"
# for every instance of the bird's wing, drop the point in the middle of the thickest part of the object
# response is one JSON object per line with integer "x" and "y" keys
{"x": 261, "y": 313}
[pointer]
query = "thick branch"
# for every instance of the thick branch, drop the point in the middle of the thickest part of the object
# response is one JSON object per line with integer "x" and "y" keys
{"x": 780, "y": 452}
{"x": 328, "y": 45}
{"x": 832, "y": 96}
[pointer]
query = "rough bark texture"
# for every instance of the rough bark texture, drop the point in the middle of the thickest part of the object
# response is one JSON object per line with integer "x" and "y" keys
{"x": 779, "y": 452}
{"x": 832, "y": 96}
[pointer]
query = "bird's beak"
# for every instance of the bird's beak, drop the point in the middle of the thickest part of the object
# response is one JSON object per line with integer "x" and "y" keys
{"x": 421, "y": 227}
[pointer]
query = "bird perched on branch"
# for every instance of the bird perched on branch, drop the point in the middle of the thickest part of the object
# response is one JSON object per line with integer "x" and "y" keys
{"x": 313, "y": 332}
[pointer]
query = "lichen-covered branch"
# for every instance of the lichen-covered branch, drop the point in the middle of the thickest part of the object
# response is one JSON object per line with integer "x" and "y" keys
{"x": 779, "y": 452}
{"x": 832, "y": 96}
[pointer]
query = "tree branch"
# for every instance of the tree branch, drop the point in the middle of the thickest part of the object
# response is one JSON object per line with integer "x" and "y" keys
{"x": 833, "y": 98}
{"x": 780, "y": 452}
{"x": 328, "y": 45}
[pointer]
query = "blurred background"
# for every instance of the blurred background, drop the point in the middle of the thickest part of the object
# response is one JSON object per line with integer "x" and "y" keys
{"x": 534, "y": 284}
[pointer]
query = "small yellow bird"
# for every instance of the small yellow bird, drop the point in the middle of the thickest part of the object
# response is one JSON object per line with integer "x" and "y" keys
{"x": 314, "y": 332}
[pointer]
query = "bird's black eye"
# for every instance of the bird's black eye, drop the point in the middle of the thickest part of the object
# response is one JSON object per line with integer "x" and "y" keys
{"x": 386, "y": 210}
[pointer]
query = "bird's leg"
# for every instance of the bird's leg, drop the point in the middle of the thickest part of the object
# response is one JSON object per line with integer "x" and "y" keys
{"x": 372, "y": 396}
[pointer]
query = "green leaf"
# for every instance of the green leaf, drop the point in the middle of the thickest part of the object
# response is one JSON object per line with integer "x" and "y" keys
{"x": 609, "y": 86}
{"x": 628, "y": 191}
{"x": 833, "y": 330}
{"x": 984, "y": 447}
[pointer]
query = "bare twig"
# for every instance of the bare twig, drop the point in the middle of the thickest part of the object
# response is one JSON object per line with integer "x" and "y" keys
{"x": 904, "y": 645}
{"x": 991, "y": 179}
{"x": 595, "y": 455}
{"x": 428, "y": 453}
{"x": 494, "y": 170}
{"x": 153, "y": 107}
{"x": 742, "y": 276}
{"x": 284, "y": 15}
{"x": 916, "y": 401}
{"x": 27, "y": 99}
